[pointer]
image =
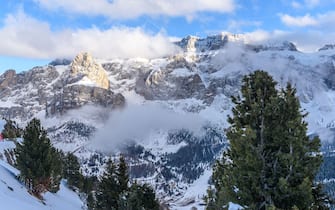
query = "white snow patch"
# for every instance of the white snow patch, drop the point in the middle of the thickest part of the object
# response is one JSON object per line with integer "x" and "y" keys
{"x": 195, "y": 193}
{"x": 182, "y": 72}
{"x": 14, "y": 196}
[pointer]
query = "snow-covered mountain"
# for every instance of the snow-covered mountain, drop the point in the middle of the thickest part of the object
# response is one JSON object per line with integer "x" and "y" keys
{"x": 167, "y": 115}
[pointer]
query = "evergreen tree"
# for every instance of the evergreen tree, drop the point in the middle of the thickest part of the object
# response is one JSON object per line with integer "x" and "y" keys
{"x": 211, "y": 203}
{"x": 37, "y": 160}
{"x": 57, "y": 170}
{"x": 71, "y": 171}
{"x": 113, "y": 192}
{"x": 108, "y": 191}
{"x": 90, "y": 186}
{"x": 141, "y": 197}
{"x": 271, "y": 163}
{"x": 90, "y": 201}
{"x": 11, "y": 130}
{"x": 122, "y": 175}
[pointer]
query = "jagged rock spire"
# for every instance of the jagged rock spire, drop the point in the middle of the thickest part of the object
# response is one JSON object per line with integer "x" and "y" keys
{"x": 84, "y": 65}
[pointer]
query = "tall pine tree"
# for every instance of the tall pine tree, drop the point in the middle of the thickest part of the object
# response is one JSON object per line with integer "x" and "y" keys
{"x": 271, "y": 162}
{"x": 108, "y": 191}
{"x": 114, "y": 193}
{"x": 122, "y": 174}
{"x": 71, "y": 171}
{"x": 38, "y": 161}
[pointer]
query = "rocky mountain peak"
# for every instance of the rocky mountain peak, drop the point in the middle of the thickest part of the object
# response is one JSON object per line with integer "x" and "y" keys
{"x": 215, "y": 42}
{"x": 327, "y": 47}
{"x": 8, "y": 79}
{"x": 84, "y": 65}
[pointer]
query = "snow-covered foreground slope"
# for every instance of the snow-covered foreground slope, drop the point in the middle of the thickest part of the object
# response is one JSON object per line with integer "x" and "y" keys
{"x": 14, "y": 196}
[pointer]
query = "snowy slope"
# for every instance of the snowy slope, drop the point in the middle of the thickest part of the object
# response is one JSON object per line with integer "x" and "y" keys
{"x": 14, "y": 196}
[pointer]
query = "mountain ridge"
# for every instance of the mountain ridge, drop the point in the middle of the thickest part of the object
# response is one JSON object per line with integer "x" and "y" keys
{"x": 184, "y": 100}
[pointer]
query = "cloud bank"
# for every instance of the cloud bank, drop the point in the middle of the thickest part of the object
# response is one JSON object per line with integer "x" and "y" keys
{"x": 137, "y": 122}
{"x": 25, "y": 36}
{"x": 130, "y": 9}
{"x": 306, "y": 3}
{"x": 301, "y": 21}
{"x": 306, "y": 41}
{"x": 322, "y": 21}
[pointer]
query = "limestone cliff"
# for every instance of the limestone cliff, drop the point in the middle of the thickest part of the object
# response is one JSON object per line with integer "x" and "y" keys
{"x": 84, "y": 65}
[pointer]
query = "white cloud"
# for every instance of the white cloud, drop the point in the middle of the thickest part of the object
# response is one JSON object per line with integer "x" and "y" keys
{"x": 307, "y": 41}
{"x": 24, "y": 36}
{"x": 257, "y": 36}
{"x": 296, "y": 5}
{"x": 322, "y": 21}
{"x": 234, "y": 25}
{"x": 312, "y": 3}
{"x": 326, "y": 20}
{"x": 300, "y": 21}
{"x": 138, "y": 122}
{"x": 128, "y": 9}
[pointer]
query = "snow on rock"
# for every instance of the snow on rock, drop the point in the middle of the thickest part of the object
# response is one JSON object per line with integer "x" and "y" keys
{"x": 84, "y": 64}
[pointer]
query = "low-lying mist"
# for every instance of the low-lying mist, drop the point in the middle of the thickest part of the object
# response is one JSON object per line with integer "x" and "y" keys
{"x": 137, "y": 122}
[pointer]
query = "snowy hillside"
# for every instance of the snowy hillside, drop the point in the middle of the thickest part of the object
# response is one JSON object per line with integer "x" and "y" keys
{"x": 167, "y": 115}
{"x": 14, "y": 195}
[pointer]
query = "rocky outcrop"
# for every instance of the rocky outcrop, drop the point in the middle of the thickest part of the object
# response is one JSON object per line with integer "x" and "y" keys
{"x": 327, "y": 47}
{"x": 288, "y": 46}
{"x": 159, "y": 85}
{"x": 59, "y": 62}
{"x": 7, "y": 80}
{"x": 14, "y": 112}
{"x": 196, "y": 44}
{"x": 85, "y": 66}
{"x": 76, "y": 96}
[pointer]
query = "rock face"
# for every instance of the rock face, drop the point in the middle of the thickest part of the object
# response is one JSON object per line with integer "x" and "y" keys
{"x": 196, "y": 44}
{"x": 76, "y": 96}
{"x": 8, "y": 79}
{"x": 327, "y": 47}
{"x": 56, "y": 89}
{"x": 85, "y": 66}
{"x": 193, "y": 43}
{"x": 288, "y": 46}
{"x": 177, "y": 80}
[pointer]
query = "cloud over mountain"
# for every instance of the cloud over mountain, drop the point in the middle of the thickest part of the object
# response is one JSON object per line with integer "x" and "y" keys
{"x": 129, "y": 9}
{"x": 25, "y": 36}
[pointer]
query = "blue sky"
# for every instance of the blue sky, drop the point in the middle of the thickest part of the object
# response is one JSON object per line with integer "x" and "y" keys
{"x": 33, "y": 32}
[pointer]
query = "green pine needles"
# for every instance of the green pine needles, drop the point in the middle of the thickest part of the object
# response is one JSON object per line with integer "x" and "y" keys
{"x": 271, "y": 163}
{"x": 39, "y": 162}
{"x": 114, "y": 191}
